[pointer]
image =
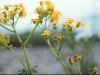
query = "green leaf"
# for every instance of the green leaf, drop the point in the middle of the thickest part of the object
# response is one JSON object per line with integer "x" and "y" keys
{"x": 33, "y": 70}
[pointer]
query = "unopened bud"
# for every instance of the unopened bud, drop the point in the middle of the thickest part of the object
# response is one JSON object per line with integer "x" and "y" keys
{"x": 95, "y": 69}
{"x": 64, "y": 28}
{"x": 41, "y": 2}
{"x": 71, "y": 61}
{"x": 79, "y": 56}
{"x": 54, "y": 27}
{"x": 75, "y": 58}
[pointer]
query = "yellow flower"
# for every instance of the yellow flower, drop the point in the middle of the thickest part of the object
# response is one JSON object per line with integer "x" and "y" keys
{"x": 41, "y": 2}
{"x": 54, "y": 23}
{"x": 4, "y": 13}
{"x": 4, "y": 20}
{"x": 20, "y": 6}
{"x": 5, "y": 7}
{"x": 22, "y": 13}
{"x": 51, "y": 7}
{"x": 64, "y": 24}
{"x": 70, "y": 20}
{"x": 47, "y": 2}
{"x": 11, "y": 14}
{"x": 46, "y": 33}
{"x": 16, "y": 5}
{"x": 55, "y": 15}
{"x": 71, "y": 25}
{"x": 38, "y": 9}
{"x": 13, "y": 6}
{"x": 80, "y": 23}
{"x": 35, "y": 21}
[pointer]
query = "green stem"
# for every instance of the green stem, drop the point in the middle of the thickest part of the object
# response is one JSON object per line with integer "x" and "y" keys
{"x": 26, "y": 56}
{"x": 17, "y": 56}
{"x": 16, "y": 22}
{"x": 67, "y": 34}
{"x": 6, "y": 28}
{"x": 77, "y": 69}
{"x": 45, "y": 22}
{"x": 58, "y": 57}
{"x": 78, "y": 65}
{"x": 25, "y": 52}
{"x": 30, "y": 35}
{"x": 63, "y": 41}
{"x": 61, "y": 45}
{"x": 17, "y": 36}
{"x": 48, "y": 42}
{"x": 64, "y": 65}
{"x": 57, "y": 46}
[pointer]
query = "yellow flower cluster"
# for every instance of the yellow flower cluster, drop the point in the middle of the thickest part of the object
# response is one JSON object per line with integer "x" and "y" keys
{"x": 71, "y": 24}
{"x": 4, "y": 41}
{"x": 46, "y": 10}
{"x": 80, "y": 24}
{"x": 10, "y": 11}
{"x": 54, "y": 23}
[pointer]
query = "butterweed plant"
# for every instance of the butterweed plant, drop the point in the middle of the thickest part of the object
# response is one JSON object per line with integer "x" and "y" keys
{"x": 47, "y": 17}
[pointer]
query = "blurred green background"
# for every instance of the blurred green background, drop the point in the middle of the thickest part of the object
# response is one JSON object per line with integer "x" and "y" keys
{"x": 86, "y": 46}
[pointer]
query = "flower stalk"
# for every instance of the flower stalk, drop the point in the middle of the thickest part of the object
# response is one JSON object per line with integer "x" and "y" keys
{"x": 57, "y": 57}
{"x": 17, "y": 57}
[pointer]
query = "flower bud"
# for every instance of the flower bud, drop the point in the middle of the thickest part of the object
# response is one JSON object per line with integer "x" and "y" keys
{"x": 79, "y": 56}
{"x": 57, "y": 37}
{"x": 69, "y": 29}
{"x": 54, "y": 27}
{"x": 77, "y": 25}
{"x": 75, "y": 58}
{"x": 4, "y": 41}
{"x": 71, "y": 61}
{"x": 64, "y": 28}
{"x": 41, "y": 2}
{"x": 95, "y": 69}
